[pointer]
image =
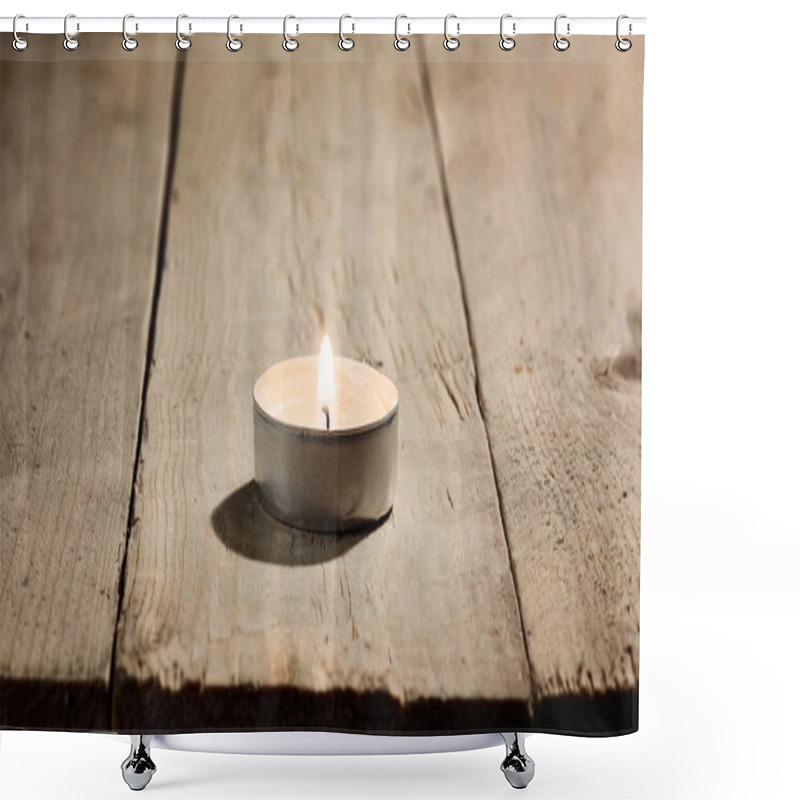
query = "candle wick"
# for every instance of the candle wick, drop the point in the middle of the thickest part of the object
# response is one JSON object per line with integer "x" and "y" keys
{"x": 327, "y": 414}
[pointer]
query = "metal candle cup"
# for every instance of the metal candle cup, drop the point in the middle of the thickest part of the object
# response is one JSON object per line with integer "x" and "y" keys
{"x": 321, "y": 479}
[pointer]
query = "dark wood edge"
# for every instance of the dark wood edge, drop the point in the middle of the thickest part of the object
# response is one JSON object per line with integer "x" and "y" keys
{"x": 53, "y": 705}
{"x": 144, "y": 708}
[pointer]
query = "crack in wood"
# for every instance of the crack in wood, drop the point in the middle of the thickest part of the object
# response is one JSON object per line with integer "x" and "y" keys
{"x": 439, "y": 154}
{"x": 172, "y": 146}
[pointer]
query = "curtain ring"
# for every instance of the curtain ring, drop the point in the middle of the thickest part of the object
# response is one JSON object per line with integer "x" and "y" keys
{"x": 233, "y": 44}
{"x": 451, "y": 42}
{"x": 560, "y": 43}
{"x": 290, "y": 43}
{"x": 181, "y": 41}
{"x": 507, "y": 42}
{"x": 128, "y": 42}
{"x": 401, "y": 42}
{"x": 18, "y": 43}
{"x": 623, "y": 45}
{"x": 70, "y": 41}
{"x": 345, "y": 42}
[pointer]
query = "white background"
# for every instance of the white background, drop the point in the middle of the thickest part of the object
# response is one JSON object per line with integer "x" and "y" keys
{"x": 720, "y": 604}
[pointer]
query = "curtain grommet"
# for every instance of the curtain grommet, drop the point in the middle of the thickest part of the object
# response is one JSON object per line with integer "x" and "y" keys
{"x": 18, "y": 43}
{"x": 233, "y": 44}
{"x": 623, "y": 45}
{"x": 346, "y": 43}
{"x": 182, "y": 42}
{"x": 129, "y": 43}
{"x": 507, "y": 42}
{"x": 71, "y": 42}
{"x": 401, "y": 43}
{"x": 450, "y": 42}
{"x": 290, "y": 43}
{"x": 561, "y": 43}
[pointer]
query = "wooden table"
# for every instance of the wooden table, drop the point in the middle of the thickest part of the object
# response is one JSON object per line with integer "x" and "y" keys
{"x": 471, "y": 224}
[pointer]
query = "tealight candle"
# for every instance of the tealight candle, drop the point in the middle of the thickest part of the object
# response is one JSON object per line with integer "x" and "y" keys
{"x": 325, "y": 434}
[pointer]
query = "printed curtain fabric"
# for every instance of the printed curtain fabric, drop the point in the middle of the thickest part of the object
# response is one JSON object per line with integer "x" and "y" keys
{"x": 321, "y": 385}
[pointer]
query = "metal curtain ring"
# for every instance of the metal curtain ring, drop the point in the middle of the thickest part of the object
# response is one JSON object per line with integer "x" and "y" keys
{"x": 560, "y": 43}
{"x": 233, "y": 44}
{"x": 451, "y": 42}
{"x": 401, "y": 42}
{"x": 345, "y": 42}
{"x": 290, "y": 43}
{"x": 18, "y": 43}
{"x": 70, "y": 41}
{"x": 182, "y": 42}
{"x": 507, "y": 42}
{"x": 128, "y": 42}
{"x": 623, "y": 45}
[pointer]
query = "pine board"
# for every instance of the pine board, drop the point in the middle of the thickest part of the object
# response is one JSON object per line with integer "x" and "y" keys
{"x": 77, "y": 264}
{"x": 551, "y": 264}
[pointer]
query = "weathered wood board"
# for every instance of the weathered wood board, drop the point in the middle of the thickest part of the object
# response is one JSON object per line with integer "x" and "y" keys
{"x": 545, "y": 189}
{"x": 309, "y": 199}
{"x": 83, "y": 155}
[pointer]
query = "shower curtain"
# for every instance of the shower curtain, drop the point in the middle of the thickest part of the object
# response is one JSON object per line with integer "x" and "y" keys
{"x": 468, "y": 224}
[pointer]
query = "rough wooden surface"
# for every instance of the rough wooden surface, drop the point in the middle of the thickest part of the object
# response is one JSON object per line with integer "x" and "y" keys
{"x": 471, "y": 226}
{"x": 551, "y": 266}
{"x": 84, "y": 147}
{"x": 325, "y": 212}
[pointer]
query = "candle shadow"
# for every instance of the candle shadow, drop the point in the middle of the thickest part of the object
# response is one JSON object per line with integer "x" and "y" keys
{"x": 242, "y": 525}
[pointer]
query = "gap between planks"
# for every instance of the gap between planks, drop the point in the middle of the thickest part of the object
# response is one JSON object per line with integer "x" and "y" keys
{"x": 439, "y": 154}
{"x": 172, "y": 148}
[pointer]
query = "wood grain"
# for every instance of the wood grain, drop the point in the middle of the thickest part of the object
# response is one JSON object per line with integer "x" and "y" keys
{"x": 82, "y": 172}
{"x": 503, "y": 295}
{"x": 307, "y": 198}
{"x": 545, "y": 189}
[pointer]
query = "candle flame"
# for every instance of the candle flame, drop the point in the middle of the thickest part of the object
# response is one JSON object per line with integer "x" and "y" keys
{"x": 326, "y": 394}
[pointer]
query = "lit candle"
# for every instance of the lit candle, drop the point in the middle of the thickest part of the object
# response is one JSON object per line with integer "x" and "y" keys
{"x": 325, "y": 435}
{"x": 326, "y": 382}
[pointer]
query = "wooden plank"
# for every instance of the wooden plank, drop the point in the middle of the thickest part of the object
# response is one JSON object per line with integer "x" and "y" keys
{"x": 84, "y": 149}
{"x": 306, "y": 196}
{"x": 550, "y": 145}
